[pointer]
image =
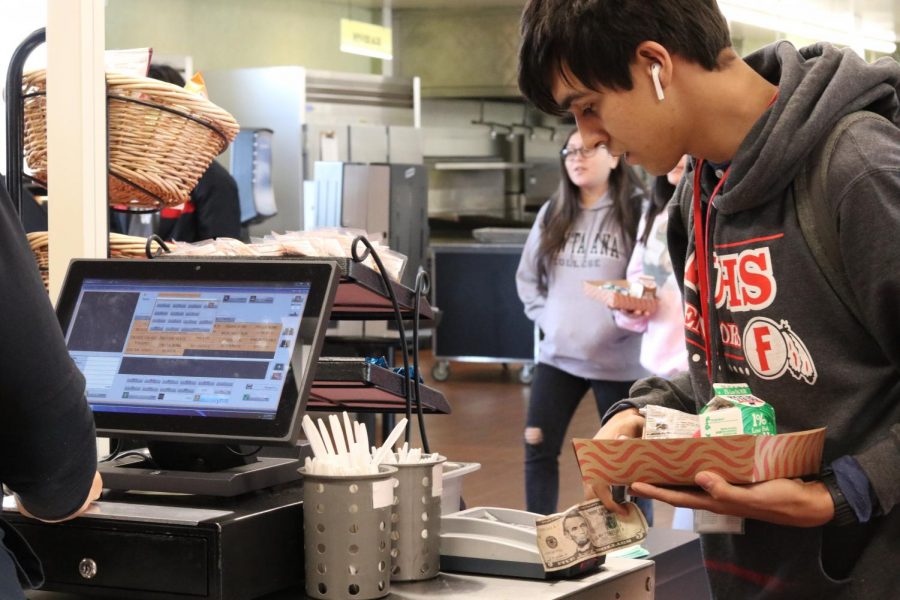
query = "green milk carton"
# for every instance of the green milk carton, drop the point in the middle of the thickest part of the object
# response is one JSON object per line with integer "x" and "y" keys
{"x": 734, "y": 410}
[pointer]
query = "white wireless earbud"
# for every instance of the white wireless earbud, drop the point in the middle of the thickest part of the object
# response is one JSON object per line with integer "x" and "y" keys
{"x": 654, "y": 73}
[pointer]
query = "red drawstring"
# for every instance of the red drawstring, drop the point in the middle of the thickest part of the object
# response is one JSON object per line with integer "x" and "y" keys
{"x": 701, "y": 239}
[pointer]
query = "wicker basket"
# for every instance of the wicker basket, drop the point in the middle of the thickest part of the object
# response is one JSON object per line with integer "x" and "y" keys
{"x": 129, "y": 246}
{"x": 38, "y": 240}
{"x": 161, "y": 138}
{"x": 120, "y": 246}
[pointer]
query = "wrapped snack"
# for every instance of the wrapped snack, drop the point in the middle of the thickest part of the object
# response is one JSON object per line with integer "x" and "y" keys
{"x": 294, "y": 244}
{"x": 394, "y": 262}
{"x": 202, "y": 248}
{"x": 661, "y": 423}
{"x": 131, "y": 61}
{"x": 267, "y": 248}
{"x": 232, "y": 247}
{"x": 197, "y": 86}
{"x": 644, "y": 287}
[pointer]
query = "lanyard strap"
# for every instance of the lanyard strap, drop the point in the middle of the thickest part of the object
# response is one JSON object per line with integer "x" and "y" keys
{"x": 701, "y": 239}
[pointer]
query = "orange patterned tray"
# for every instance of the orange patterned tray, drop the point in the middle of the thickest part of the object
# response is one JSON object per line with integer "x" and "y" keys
{"x": 737, "y": 458}
{"x": 617, "y": 300}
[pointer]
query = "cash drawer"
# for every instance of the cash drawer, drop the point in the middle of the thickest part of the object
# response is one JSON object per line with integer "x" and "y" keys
{"x": 115, "y": 558}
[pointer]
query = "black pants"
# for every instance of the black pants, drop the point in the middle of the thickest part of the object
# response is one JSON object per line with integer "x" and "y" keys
{"x": 555, "y": 395}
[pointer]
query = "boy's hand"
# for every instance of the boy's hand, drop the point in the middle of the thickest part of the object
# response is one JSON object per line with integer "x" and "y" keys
{"x": 781, "y": 501}
{"x": 625, "y": 424}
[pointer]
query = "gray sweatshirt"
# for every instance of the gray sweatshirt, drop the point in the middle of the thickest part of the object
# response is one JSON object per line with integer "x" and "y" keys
{"x": 778, "y": 326}
{"x": 580, "y": 336}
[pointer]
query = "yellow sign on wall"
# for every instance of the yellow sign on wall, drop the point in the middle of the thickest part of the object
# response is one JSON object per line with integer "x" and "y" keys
{"x": 358, "y": 37}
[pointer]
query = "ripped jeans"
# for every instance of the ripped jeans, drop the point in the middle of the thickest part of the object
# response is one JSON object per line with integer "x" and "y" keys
{"x": 555, "y": 395}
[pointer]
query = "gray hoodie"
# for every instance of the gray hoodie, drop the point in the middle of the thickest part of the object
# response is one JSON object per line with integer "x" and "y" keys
{"x": 580, "y": 336}
{"x": 779, "y": 327}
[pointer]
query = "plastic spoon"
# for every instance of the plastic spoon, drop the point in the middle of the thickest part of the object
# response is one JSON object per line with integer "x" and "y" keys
{"x": 389, "y": 442}
{"x": 312, "y": 434}
{"x": 326, "y": 438}
{"x": 337, "y": 432}
{"x": 349, "y": 430}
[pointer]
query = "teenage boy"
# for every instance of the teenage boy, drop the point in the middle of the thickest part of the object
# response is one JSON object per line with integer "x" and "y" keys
{"x": 654, "y": 79}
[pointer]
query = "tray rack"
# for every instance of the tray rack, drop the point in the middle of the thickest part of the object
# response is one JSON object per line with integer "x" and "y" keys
{"x": 358, "y": 386}
{"x": 361, "y": 293}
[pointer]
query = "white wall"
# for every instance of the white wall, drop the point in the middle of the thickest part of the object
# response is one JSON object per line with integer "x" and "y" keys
{"x": 29, "y": 16}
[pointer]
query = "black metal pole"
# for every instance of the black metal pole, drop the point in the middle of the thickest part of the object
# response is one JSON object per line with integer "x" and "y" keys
{"x": 404, "y": 348}
{"x": 15, "y": 128}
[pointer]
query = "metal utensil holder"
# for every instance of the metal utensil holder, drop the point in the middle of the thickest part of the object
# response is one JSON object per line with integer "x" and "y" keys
{"x": 346, "y": 534}
{"x": 415, "y": 535}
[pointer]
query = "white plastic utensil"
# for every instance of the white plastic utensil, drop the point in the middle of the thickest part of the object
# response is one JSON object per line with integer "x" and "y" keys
{"x": 337, "y": 432}
{"x": 312, "y": 434}
{"x": 326, "y": 438}
{"x": 349, "y": 430}
{"x": 389, "y": 442}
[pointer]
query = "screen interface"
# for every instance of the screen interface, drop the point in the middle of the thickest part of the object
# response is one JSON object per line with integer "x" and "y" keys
{"x": 207, "y": 349}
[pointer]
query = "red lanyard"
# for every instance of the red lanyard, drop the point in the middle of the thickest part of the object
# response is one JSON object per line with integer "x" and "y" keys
{"x": 701, "y": 238}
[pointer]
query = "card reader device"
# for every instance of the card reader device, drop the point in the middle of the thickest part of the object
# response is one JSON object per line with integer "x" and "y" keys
{"x": 499, "y": 541}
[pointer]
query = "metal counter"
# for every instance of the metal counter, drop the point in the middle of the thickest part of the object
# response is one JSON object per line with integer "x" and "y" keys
{"x": 619, "y": 578}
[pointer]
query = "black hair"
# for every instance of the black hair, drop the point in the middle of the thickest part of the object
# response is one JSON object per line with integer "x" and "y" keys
{"x": 595, "y": 40}
{"x": 165, "y": 73}
{"x": 660, "y": 193}
{"x": 624, "y": 188}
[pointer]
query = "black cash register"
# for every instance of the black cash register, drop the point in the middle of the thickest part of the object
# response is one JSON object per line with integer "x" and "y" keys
{"x": 205, "y": 361}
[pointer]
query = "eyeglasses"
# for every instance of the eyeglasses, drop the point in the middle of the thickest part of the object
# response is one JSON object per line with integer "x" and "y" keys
{"x": 571, "y": 152}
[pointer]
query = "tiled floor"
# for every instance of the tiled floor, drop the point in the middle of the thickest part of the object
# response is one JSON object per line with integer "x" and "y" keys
{"x": 486, "y": 426}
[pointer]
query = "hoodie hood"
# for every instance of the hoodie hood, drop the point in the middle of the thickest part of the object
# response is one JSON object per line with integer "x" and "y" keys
{"x": 818, "y": 85}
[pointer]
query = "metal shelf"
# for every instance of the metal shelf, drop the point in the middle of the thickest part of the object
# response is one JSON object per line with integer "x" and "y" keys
{"x": 361, "y": 294}
{"x": 494, "y": 165}
{"x": 354, "y": 385}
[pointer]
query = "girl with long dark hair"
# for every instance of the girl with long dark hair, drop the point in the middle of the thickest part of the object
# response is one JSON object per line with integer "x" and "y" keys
{"x": 585, "y": 232}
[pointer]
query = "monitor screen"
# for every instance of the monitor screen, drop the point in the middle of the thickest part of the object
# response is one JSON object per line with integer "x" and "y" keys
{"x": 197, "y": 351}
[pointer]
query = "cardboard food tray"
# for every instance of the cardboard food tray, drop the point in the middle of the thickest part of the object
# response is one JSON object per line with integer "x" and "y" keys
{"x": 617, "y": 300}
{"x": 737, "y": 458}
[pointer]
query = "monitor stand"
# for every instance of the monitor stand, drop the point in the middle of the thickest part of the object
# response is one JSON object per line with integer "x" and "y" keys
{"x": 201, "y": 469}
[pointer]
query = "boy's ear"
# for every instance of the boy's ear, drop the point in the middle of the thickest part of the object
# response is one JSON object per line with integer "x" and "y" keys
{"x": 654, "y": 60}
{"x": 648, "y": 52}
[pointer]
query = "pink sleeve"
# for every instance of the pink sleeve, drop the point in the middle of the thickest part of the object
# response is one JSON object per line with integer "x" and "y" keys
{"x": 634, "y": 270}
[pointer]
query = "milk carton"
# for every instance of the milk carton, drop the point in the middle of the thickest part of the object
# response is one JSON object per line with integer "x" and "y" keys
{"x": 734, "y": 410}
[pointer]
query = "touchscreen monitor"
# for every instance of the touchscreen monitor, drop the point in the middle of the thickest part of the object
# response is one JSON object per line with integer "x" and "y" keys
{"x": 197, "y": 350}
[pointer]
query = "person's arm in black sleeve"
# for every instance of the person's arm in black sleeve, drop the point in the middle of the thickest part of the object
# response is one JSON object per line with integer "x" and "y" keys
{"x": 48, "y": 452}
{"x": 217, "y": 205}
{"x": 675, "y": 393}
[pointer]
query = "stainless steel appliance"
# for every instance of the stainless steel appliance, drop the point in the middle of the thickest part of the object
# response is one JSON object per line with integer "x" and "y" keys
{"x": 251, "y": 167}
{"x": 320, "y": 115}
{"x": 386, "y": 200}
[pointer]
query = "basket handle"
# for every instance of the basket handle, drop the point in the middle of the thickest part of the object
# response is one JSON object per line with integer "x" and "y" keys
{"x": 163, "y": 247}
{"x": 14, "y": 117}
